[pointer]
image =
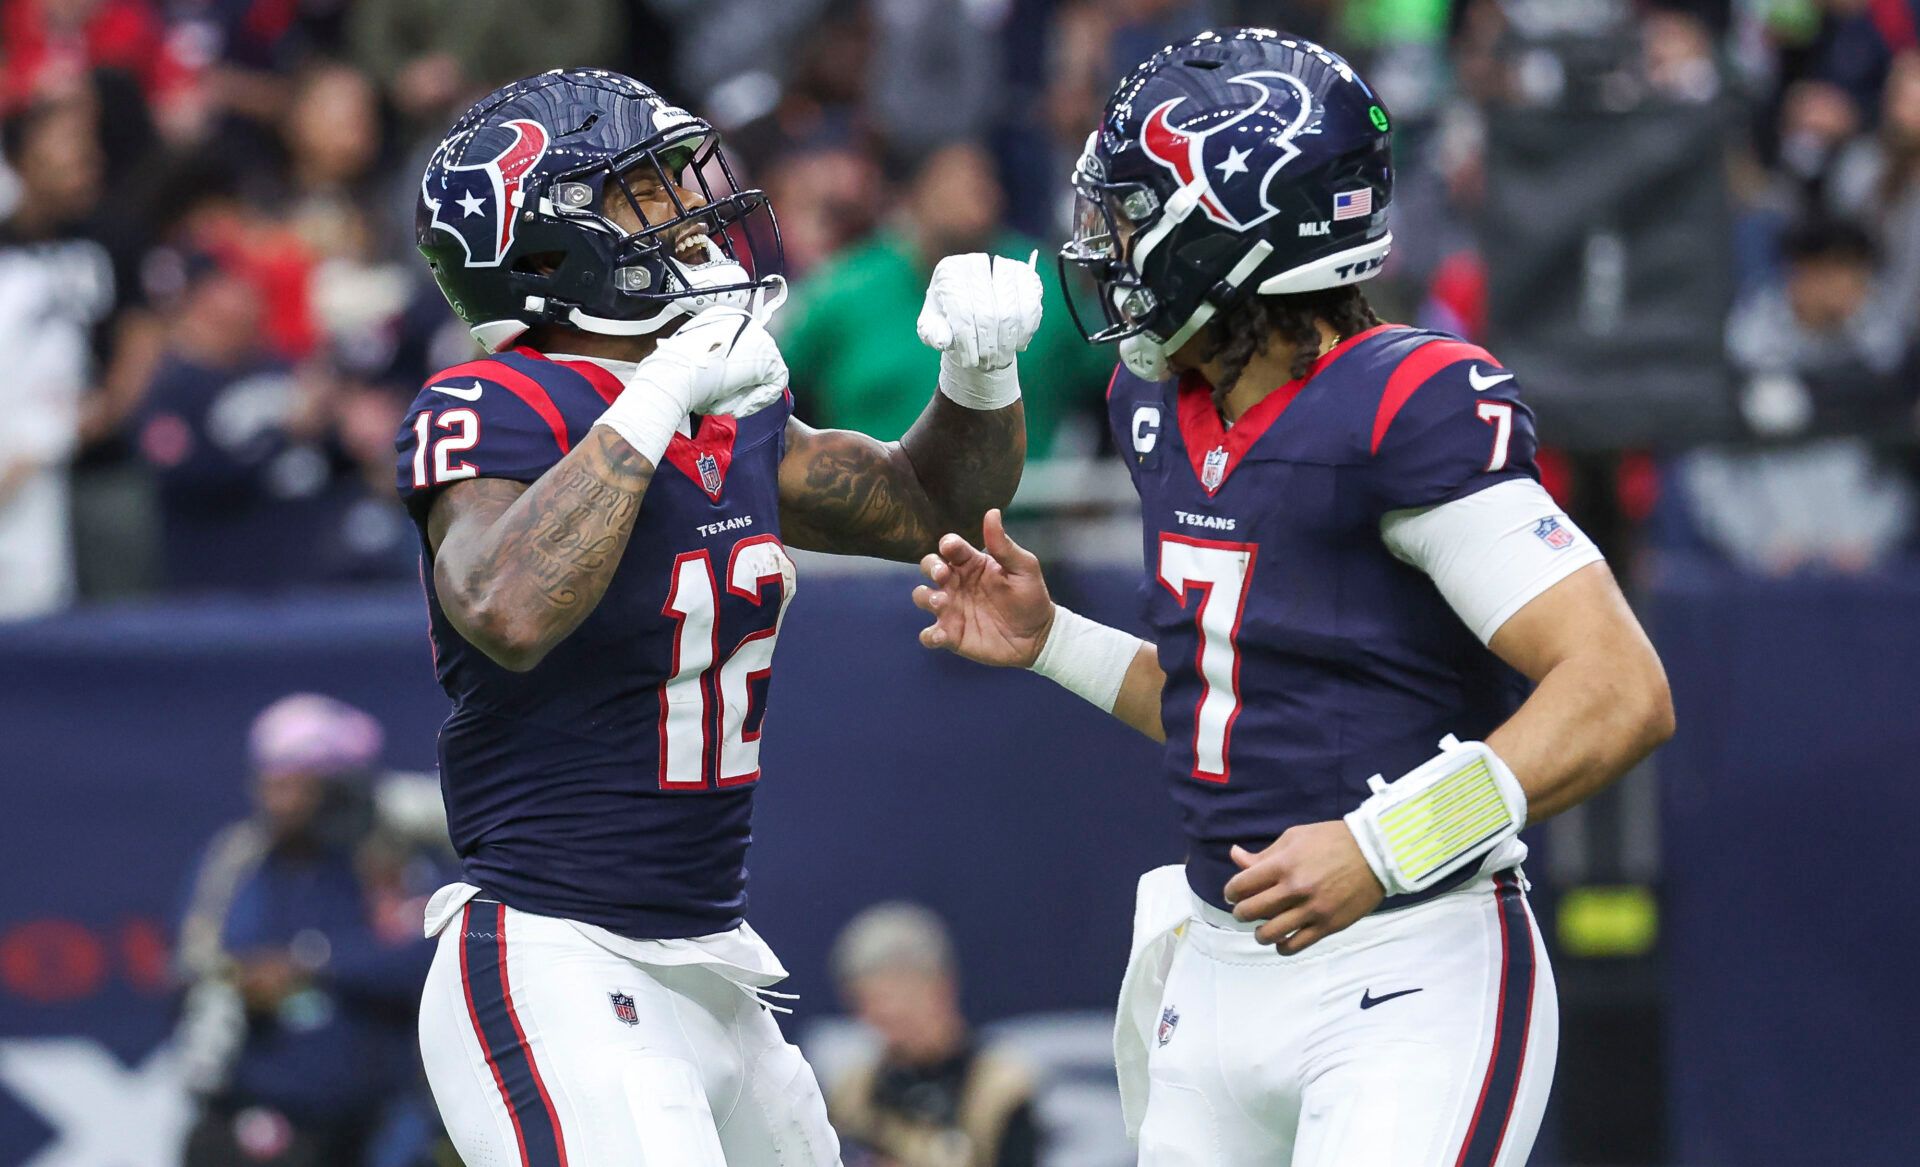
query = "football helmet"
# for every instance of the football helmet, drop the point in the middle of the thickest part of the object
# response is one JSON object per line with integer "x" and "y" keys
{"x": 1241, "y": 162}
{"x": 511, "y": 213}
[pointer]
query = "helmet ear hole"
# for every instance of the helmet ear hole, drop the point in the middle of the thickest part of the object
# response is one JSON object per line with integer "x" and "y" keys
{"x": 540, "y": 263}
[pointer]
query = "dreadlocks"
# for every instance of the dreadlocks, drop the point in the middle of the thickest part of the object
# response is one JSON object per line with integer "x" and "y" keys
{"x": 1246, "y": 330}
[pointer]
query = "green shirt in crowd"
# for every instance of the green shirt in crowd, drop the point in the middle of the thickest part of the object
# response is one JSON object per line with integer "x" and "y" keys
{"x": 857, "y": 363}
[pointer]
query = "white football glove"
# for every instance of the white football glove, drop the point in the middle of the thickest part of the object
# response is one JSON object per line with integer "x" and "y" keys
{"x": 980, "y": 311}
{"x": 719, "y": 361}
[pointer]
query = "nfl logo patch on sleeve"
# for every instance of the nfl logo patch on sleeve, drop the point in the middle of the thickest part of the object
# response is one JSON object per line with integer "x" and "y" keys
{"x": 1550, "y": 532}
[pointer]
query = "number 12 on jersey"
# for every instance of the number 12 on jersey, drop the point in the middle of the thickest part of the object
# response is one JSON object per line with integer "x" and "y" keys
{"x": 698, "y": 707}
{"x": 1209, "y": 578}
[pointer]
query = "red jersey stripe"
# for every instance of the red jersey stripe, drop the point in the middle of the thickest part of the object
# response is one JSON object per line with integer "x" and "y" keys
{"x": 1413, "y": 372}
{"x": 522, "y": 386}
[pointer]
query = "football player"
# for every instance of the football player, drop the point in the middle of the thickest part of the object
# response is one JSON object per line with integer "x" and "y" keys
{"x": 605, "y": 504}
{"x": 1351, "y": 573}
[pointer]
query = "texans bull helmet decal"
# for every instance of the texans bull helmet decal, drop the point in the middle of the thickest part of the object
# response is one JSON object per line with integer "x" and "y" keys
{"x": 1239, "y": 162}
{"x": 1212, "y": 151}
{"x": 477, "y": 202}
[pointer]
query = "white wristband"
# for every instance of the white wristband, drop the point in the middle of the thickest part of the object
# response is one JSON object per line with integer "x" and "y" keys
{"x": 1438, "y": 817}
{"x": 646, "y": 416}
{"x": 979, "y": 388}
{"x": 1086, "y": 658}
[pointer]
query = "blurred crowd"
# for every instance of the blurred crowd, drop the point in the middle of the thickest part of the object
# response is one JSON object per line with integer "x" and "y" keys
{"x": 299, "y": 963}
{"x": 212, "y": 317}
{"x": 299, "y": 954}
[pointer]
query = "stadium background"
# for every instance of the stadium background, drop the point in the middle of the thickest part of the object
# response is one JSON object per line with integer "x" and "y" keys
{"x": 1694, "y": 225}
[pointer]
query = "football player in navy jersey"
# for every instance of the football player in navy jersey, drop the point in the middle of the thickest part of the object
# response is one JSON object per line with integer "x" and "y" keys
{"x": 1352, "y": 573}
{"x": 605, "y": 502}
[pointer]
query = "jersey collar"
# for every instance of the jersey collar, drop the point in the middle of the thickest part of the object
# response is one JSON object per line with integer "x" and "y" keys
{"x": 1216, "y": 450}
{"x": 624, "y": 370}
{"x": 703, "y": 456}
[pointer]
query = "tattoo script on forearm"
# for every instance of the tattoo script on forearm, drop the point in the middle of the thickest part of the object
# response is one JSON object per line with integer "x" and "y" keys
{"x": 524, "y": 565}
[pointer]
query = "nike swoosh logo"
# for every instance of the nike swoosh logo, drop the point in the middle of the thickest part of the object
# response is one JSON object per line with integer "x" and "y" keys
{"x": 1481, "y": 382}
{"x": 1368, "y": 1000}
{"x": 472, "y": 394}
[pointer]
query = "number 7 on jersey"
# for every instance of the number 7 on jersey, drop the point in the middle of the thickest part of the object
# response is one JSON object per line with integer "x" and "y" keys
{"x": 1209, "y": 578}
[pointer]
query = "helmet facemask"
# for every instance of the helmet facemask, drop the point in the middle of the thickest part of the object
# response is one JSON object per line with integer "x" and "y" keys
{"x": 1101, "y": 246}
{"x": 725, "y": 251}
{"x": 1119, "y": 228}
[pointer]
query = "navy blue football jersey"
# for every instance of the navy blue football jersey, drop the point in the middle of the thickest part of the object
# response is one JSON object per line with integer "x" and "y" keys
{"x": 1301, "y": 655}
{"x": 613, "y": 782}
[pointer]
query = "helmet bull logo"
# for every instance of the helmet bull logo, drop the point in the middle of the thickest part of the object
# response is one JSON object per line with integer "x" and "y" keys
{"x": 1232, "y": 156}
{"x": 477, "y": 202}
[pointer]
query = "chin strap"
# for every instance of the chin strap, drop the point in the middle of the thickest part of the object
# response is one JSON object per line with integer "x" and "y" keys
{"x": 760, "y": 301}
{"x": 1146, "y": 357}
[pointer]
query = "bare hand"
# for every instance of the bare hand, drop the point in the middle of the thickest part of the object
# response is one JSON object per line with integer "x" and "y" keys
{"x": 989, "y": 606}
{"x": 1309, "y": 884}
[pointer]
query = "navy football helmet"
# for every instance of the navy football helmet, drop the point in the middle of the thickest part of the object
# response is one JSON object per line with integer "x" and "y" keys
{"x": 1241, "y": 162}
{"x": 510, "y": 213}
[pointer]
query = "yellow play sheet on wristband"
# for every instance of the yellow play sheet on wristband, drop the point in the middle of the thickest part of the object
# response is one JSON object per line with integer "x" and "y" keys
{"x": 1447, "y": 818}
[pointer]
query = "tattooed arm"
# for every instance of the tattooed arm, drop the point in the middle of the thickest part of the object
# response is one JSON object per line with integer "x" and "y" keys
{"x": 517, "y": 567}
{"x": 847, "y": 493}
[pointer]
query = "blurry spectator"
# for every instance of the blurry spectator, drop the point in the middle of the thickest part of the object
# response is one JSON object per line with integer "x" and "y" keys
{"x": 820, "y": 97}
{"x": 433, "y": 54}
{"x": 936, "y": 71}
{"x": 1815, "y": 357}
{"x": 232, "y": 437}
{"x": 328, "y": 199}
{"x": 858, "y": 363}
{"x": 47, "y": 48}
{"x": 1877, "y": 181}
{"x": 1679, "y": 57}
{"x": 371, "y": 538}
{"x": 244, "y": 51}
{"x": 829, "y": 195}
{"x": 733, "y": 57}
{"x": 332, "y": 136}
{"x": 1858, "y": 41}
{"x": 302, "y": 956}
{"x": 1816, "y": 118}
{"x": 56, "y": 287}
{"x": 931, "y": 1098}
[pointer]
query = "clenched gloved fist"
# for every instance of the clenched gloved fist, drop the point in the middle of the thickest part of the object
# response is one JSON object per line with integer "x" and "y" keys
{"x": 980, "y": 311}
{"x": 722, "y": 361}
{"x": 719, "y": 361}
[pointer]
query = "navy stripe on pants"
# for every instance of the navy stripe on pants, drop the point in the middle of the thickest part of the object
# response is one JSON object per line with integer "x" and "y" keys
{"x": 483, "y": 977}
{"x": 1515, "y": 1014}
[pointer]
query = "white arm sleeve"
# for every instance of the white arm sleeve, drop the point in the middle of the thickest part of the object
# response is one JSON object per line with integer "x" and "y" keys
{"x": 1492, "y": 551}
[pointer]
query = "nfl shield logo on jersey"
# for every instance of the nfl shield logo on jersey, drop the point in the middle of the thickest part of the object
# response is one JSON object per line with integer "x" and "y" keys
{"x": 1550, "y": 532}
{"x": 1214, "y": 471}
{"x": 1169, "y": 1018}
{"x": 709, "y": 472}
{"x": 623, "y": 1008}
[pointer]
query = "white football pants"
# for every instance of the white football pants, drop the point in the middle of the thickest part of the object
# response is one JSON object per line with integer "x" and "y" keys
{"x": 1423, "y": 1037}
{"x": 546, "y": 1049}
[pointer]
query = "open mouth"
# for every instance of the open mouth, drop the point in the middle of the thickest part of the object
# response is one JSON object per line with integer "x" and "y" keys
{"x": 696, "y": 249}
